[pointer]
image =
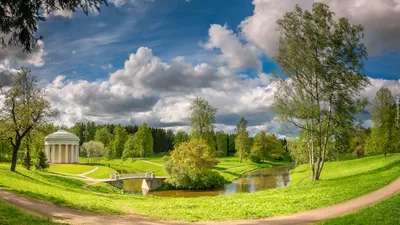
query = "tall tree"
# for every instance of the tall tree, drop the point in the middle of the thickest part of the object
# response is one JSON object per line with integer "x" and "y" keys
{"x": 19, "y": 19}
{"x": 231, "y": 143}
{"x": 259, "y": 147}
{"x": 202, "y": 118}
{"x": 322, "y": 59}
{"x": 129, "y": 149}
{"x": 103, "y": 135}
{"x": 222, "y": 144}
{"x": 24, "y": 108}
{"x": 121, "y": 136}
{"x": 383, "y": 116}
{"x": 242, "y": 141}
{"x": 143, "y": 141}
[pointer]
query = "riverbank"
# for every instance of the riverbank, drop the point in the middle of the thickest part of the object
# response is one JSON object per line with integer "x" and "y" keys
{"x": 340, "y": 181}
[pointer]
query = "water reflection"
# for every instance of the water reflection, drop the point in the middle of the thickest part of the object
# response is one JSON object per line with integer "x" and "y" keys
{"x": 257, "y": 180}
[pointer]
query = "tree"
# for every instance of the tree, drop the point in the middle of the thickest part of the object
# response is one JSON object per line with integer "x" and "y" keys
{"x": 383, "y": 116}
{"x": 190, "y": 166}
{"x": 222, "y": 144}
{"x": 94, "y": 150}
{"x": 242, "y": 141}
{"x": 19, "y": 19}
{"x": 41, "y": 163}
{"x": 231, "y": 143}
{"x": 322, "y": 60}
{"x": 119, "y": 141}
{"x": 24, "y": 108}
{"x": 259, "y": 147}
{"x": 180, "y": 137}
{"x": 202, "y": 118}
{"x": 143, "y": 141}
{"x": 103, "y": 135}
{"x": 129, "y": 149}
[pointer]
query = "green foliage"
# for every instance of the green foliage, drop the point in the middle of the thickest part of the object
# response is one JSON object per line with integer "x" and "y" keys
{"x": 211, "y": 143}
{"x": 121, "y": 136}
{"x": 24, "y": 108}
{"x": 382, "y": 138}
{"x": 242, "y": 141}
{"x": 94, "y": 150}
{"x": 27, "y": 162}
{"x": 231, "y": 143}
{"x": 129, "y": 149}
{"x": 202, "y": 118}
{"x": 255, "y": 158}
{"x": 41, "y": 162}
{"x": 190, "y": 164}
{"x": 143, "y": 141}
{"x": 322, "y": 59}
{"x": 104, "y": 136}
{"x": 180, "y": 137}
{"x": 259, "y": 150}
{"x": 222, "y": 144}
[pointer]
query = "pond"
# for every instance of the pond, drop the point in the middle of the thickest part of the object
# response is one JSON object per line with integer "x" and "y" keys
{"x": 253, "y": 181}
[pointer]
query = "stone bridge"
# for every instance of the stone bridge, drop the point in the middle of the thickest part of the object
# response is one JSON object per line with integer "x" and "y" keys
{"x": 150, "y": 181}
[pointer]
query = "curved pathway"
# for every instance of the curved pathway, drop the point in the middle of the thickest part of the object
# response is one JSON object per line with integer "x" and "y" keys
{"x": 65, "y": 215}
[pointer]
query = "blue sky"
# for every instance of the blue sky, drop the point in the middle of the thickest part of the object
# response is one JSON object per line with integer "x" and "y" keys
{"x": 145, "y": 60}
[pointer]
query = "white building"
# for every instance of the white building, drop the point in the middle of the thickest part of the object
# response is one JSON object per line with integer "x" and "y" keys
{"x": 62, "y": 147}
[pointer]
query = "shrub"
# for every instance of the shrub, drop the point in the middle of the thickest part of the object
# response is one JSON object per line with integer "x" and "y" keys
{"x": 41, "y": 163}
{"x": 255, "y": 158}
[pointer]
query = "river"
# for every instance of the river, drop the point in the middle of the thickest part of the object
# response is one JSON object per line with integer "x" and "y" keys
{"x": 253, "y": 181}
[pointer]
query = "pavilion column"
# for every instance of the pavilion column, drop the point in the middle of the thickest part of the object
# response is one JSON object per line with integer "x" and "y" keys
{"x": 77, "y": 152}
{"x": 47, "y": 151}
{"x": 59, "y": 153}
{"x": 73, "y": 154}
{"x": 53, "y": 153}
{"x": 66, "y": 153}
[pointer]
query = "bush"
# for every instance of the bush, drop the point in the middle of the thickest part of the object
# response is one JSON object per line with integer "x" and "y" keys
{"x": 41, "y": 163}
{"x": 206, "y": 179}
{"x": 255, "y": 158}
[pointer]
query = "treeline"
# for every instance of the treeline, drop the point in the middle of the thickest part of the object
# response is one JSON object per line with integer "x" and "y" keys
{"x": 356, "y": 140}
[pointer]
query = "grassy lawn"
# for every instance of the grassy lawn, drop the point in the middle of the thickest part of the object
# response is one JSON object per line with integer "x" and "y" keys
{"x": 70, "y": 168}
{"x": 12, "y": 215}
{"x": 341, "y": 181}
{"x": 385, "y": 213}
{"x": 101, "y": 172}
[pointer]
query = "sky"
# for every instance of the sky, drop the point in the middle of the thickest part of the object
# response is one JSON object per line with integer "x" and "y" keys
{"x": 142, "y": 61}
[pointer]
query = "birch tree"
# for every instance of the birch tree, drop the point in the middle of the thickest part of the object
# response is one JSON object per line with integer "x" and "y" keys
{"x": 322, "y": 59}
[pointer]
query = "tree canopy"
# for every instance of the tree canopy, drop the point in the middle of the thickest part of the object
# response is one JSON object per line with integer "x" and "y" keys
{"x": 202, "y": 118}
{"x": 19, "y": 19}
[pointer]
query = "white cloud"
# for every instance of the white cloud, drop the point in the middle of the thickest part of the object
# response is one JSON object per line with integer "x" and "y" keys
{"x": 378, "y": 16}
{"x": 15, "y": 53}
{"x": 108, "y": 66}
{"x": 234, "y": 52}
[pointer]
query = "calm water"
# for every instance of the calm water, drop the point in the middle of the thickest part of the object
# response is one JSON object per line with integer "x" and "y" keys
{"x": 256, "y": 180}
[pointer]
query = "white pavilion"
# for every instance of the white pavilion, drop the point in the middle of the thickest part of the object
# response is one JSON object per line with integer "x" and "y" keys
{"x": 62, "y": 147}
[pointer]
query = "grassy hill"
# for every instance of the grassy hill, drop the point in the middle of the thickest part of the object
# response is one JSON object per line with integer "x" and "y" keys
{"x": 340, "y": 181}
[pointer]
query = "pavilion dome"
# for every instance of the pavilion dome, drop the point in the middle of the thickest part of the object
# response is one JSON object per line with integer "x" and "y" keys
{"x": 61, "y": 135}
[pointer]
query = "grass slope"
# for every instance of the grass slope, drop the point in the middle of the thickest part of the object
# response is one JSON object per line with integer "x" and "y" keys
{"x": 384, "y": 213}
{"x": 341, "y": 181}
{"x": 12, "y": 215}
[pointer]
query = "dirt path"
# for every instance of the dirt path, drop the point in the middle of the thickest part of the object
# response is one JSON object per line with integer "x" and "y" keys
{"x": 91, "y": 171}
{"x": 157, "y": 164}
{"x": 71, "y": 216}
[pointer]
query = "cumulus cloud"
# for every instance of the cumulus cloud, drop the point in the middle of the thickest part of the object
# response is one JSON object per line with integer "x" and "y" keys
{"x": 15, "y": 53}
{"x": 378, "y": 17}
{"x": 234, "y": 52}
{"x": 6, "y": 73}
{"x": 137, "y": 3}
{"x": 60, "y": 12}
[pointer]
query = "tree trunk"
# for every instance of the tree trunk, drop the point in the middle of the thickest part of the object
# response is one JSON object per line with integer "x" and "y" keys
{"x": 14, "y": 157}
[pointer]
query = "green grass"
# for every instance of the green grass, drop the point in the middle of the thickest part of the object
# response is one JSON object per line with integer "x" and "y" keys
{"x": 101, "y": 173}
{"x": 340, "y": 181}
{"x": 12, "y": 215}
{"x": 231, "y": 169}
{"x": 104, "y": 188}
{"x": 58, "y": 190}
{"x": 70, "y": 168}
{"x": 386, "y": 212}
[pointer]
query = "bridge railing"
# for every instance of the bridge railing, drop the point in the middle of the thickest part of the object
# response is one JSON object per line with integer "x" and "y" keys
{"x": 117, "y": 176}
